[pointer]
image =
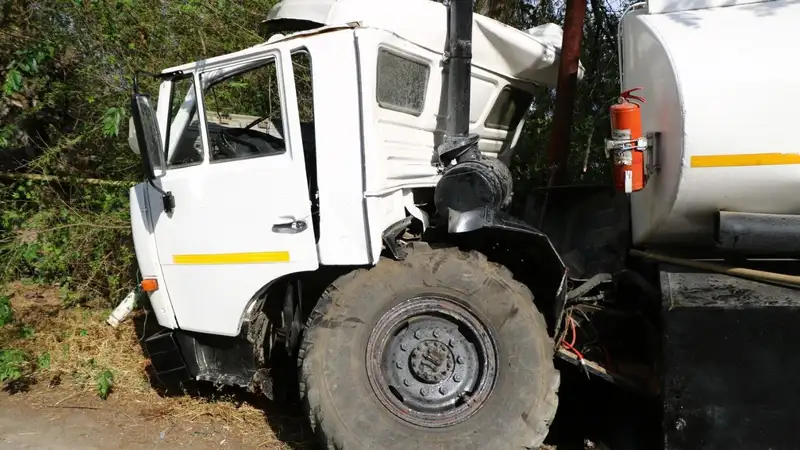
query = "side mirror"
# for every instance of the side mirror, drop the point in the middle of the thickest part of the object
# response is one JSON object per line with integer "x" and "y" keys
{"x": 132, "y": 142}
{"x": 148, "y": 140}
{"x": 148, "y": 136}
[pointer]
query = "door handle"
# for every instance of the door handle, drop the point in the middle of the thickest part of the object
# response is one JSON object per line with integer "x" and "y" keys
{"x": 293, "y": 226}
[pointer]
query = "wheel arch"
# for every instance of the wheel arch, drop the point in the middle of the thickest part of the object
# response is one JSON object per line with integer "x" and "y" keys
{"x": 525, "y": 251}
{"x": 314, "y": 283}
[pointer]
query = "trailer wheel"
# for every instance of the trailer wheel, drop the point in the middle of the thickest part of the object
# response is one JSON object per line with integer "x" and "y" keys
{"x": 442, "y": 350}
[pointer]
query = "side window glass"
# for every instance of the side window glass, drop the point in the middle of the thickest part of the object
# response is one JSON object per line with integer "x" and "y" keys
{"x": 243, "y": 112}
{"x": 509, "y": 108}
{"x": 185, "y": 146}
{"x": 402, "y": 83}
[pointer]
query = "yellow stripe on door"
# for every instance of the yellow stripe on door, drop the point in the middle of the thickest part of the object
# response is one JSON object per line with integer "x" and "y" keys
{"x": 747, "y": 159}
{"x": 232, "y": 258}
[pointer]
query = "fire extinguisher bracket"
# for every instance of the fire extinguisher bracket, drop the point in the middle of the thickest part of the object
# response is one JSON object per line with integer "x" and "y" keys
{"x": 645, "y": 144}
{"x": 625, "y": 146}
{"x": 651, "y": 164}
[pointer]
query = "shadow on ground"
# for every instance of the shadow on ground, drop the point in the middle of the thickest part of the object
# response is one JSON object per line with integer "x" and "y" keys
{"x": 592, "y": 414}
{"x": 286, "y": 418}
{"x": 604, "y": 416}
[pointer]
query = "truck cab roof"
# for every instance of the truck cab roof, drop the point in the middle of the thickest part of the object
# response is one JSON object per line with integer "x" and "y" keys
{"x": 530, "y": 55}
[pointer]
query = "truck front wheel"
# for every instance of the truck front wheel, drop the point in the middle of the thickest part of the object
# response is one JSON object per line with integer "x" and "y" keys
{"x": 442, "y": 350}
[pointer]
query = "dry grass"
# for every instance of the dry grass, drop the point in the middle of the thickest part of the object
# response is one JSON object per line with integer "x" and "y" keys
{"x": 80, "y": 346}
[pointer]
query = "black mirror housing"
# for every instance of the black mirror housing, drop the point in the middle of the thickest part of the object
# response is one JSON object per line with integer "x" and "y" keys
{"x": 148, "y": 135}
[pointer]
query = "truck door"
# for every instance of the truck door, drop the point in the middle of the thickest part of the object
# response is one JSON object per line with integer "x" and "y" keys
{"x": 235, "y": 166}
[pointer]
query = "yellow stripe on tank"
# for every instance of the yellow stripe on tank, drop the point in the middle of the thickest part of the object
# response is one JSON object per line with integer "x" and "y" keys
{"x": 747, "y": 159}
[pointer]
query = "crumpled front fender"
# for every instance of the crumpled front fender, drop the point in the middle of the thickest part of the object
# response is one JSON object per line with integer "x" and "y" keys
{"x": 490, "y": 226}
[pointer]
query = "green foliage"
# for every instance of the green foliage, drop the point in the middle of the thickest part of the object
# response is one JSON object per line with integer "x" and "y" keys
{"x": 112, "y": 119}
{"x": 65, "y": 71}
{"x": 105, "y": 382}
{"x": 26, "y": 332}
{"x": 6, "y": 313}
{"x": 12, "y": 365}
{"x": 43, "y": 362}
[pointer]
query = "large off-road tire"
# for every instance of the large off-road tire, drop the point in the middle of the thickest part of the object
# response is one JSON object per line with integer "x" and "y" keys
{"x": 390, "y": 352}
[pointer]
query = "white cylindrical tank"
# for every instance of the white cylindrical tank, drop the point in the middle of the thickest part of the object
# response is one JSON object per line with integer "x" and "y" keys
{"x": 723, "y": 88}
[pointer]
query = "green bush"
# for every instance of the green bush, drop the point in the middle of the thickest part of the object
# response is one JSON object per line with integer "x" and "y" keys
{"x": 66, "y": 68}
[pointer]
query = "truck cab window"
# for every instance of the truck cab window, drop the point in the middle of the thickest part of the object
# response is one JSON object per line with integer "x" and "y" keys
{"x": 402, "y": 83}
{"x": 509, "y": 108}
{"x": 243, "y": 112}
{"x": 185, "y": 142}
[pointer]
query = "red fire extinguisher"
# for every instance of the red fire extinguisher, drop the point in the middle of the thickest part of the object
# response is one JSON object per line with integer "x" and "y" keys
{"x": 626, "y": 146}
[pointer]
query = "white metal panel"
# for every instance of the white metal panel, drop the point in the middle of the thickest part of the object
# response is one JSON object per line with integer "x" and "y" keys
{"x": 147, "y": 254}
{"x": 343, "y": 236}
{"x": 227, "y": 209}
{"x": 400, "y": 147}
{"x": 530, "y": 55}
{"x": 482, "y": 92}
{"x": 668, "y": 6}
{"x": 402, "y": 150}
{"x": 720, "y": 87}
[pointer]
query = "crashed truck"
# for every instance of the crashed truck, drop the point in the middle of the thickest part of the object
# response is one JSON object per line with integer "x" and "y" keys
{"x": 329, "y": 209}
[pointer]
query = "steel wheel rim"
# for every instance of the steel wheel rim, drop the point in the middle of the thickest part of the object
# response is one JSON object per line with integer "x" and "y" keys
{"x": 431, "y": 361}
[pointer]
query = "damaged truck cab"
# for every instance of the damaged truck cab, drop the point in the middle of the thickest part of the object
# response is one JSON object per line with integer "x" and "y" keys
{"x": 291, "y": 212}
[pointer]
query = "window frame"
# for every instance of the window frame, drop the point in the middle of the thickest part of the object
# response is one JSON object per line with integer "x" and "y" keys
{"x": 248, "y": 65}
{"x": 409, "y": 58}
{"x": 170, "y": 118}
{"x": 511, "y": 90}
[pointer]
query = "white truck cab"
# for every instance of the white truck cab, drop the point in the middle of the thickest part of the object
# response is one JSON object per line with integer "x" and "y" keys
{"x": 351, "y": 115}
{"x": 272, "y": 164}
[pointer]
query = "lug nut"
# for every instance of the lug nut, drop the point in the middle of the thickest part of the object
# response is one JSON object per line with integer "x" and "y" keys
{"x": 456, "y": 378}
{"x": 399, "y": 364}
{"x": 403, "y": 346}
{"x": 407, "y": 382}
{"x": 418, "y": 334}
{"x": 452, "y": 343}
{"x": 436, "y": 333}
{"x": 460, "y": 359}
{"x": 423, "y": 392}
{"x": 442, "y": 390}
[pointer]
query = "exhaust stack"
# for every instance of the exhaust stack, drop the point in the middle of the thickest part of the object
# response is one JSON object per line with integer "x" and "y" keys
{"x": 474, "y": 182}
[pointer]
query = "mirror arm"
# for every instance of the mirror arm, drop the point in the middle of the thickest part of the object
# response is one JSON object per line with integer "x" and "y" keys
{"x": 159, "y": 76}
{"x": 166, "y": 197}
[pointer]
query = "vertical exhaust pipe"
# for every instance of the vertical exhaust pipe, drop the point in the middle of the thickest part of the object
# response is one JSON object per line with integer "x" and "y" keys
{"x": 458, "y": 144}
{"x": 474, "y": 182}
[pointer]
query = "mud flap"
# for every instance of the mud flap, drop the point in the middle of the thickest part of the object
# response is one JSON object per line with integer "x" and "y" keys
{"x": 166, "y": 359}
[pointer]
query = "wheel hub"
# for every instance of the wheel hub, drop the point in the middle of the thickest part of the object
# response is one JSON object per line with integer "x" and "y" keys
{"x": 430, "y": 364}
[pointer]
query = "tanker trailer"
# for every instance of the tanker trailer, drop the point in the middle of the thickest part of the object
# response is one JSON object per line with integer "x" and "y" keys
{"x": 701, "y": 145}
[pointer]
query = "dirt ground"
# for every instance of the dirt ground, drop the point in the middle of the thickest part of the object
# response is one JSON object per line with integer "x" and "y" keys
{"x": 61, "y": 419}
{"x": 70, "y": 354}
